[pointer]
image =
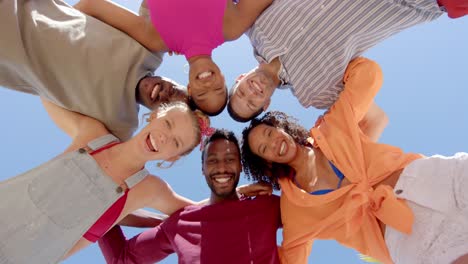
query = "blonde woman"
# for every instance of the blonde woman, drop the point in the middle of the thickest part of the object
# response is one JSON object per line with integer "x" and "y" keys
{"x": 47, "y": 212}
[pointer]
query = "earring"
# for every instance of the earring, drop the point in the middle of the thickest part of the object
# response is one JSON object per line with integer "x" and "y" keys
{"x": 162, "y": 165}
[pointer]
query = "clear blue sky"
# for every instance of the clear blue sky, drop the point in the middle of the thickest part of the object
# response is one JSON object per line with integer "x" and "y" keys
{"x": 425, "y": 95}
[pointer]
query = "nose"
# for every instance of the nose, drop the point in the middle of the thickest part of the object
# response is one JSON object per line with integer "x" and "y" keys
{"x": 221, "y": 166}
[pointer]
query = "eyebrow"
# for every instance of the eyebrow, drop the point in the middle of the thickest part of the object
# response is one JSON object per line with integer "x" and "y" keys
{"x": 173, "y": 125}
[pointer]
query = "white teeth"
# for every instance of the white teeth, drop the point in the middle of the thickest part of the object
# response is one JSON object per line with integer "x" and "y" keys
{"x": 283, "y": 146}
{"x": 222, "y": 180}
{"x": 153, "y": 143}
{"x": 155, "y": 91}
{"x": 204, "y": 75}
{"x": 256, "y": 87}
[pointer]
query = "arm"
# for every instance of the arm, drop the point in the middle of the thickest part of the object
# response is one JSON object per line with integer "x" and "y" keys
{"x": 147, "y": 247}
{"x": 363, "y": 79}
{"x": 80, "y": 128}
{"x": 139, "y": 28}
{"x": 143, "y": 218}
{"x": 245, "y": 14}
{"x": 165, "y": 199}
{"x": 254, "y": 189}
{"x": 374, "y": 122}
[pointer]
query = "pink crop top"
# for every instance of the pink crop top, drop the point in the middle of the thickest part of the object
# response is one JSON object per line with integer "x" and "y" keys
{"x": 189, "y": 27}
{"x": 99, "y": 228}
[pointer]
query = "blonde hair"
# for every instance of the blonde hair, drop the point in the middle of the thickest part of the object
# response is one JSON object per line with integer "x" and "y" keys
{"x": 196, "y": 116}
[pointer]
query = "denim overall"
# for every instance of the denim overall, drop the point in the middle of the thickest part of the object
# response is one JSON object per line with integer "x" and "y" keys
{"x": 46, "y": 210}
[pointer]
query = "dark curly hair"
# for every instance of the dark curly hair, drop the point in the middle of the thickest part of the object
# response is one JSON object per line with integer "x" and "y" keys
{"x": 258, "y": 169}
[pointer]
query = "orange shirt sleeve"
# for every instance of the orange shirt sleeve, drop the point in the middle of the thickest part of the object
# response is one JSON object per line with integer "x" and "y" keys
{"x": 363, "y": 79}
{"x": 295, "y": 255}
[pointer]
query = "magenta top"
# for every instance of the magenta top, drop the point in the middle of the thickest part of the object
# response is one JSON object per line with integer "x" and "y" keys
{"x": 189, "y": 27}
{"x": 230, "y": 233}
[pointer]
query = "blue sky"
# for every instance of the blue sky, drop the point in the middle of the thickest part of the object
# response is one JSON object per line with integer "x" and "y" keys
{"x": 425, "y": 95}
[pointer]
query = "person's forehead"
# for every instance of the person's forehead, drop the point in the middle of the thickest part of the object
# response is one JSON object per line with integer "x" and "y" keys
{"x": 221, "y": 146}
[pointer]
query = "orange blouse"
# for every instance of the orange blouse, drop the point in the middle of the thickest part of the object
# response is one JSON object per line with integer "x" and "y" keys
{"x": 348, "y": 215}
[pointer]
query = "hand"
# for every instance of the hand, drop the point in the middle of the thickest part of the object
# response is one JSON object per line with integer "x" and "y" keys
{"x": 255, "y": 189}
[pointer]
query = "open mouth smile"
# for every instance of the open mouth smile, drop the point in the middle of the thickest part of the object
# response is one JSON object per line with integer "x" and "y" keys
{"x": 205, "y": 75}
{"x": 151, "y": 144}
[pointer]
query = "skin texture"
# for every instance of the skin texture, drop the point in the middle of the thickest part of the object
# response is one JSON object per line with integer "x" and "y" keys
{"x": 222, "y": 161}
{"x": 209, "y": 93}
{"x": 272, "y": 144}
{"x": 165, "y": 91}
{"x": 253, "y": 91}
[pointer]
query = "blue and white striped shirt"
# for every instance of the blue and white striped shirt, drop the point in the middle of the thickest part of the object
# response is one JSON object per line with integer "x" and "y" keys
{"x": 316, "y": 39}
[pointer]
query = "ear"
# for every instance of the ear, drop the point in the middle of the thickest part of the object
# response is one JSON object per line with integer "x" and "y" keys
{"x": 266, "y": 105}
{"x": 240, "y": 77}
{"x": 189, "y": 90}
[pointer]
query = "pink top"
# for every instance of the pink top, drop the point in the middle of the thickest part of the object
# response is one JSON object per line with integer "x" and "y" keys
{"x": 189, "y": 27}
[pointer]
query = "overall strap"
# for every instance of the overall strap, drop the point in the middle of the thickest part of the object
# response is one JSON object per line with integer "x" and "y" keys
{"x": 136, "y": 178}
{"x": 102, "y": 141}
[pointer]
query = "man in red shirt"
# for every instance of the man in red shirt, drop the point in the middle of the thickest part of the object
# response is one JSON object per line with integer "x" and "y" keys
{"x": 226, "y": 229}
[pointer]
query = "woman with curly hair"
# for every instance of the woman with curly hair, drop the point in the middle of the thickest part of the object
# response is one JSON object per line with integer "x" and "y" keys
{"x": 338, "y": 183}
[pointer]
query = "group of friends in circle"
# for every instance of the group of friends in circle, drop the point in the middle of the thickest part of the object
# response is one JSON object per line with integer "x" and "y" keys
{"x": 92, "y": 65}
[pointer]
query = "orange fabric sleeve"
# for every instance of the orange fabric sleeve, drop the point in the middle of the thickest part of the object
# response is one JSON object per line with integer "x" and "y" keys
{"x": 363, "y": 79}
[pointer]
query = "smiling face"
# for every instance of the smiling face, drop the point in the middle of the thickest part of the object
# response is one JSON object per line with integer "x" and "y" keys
{"x": 207, "y": 86}
{"x": 154, "y": 91}
{"x": 222, "y": 167}
{"x": 272, "y": 144}
{"x": 252, "y": 93}
{"x": 170, "y": 134}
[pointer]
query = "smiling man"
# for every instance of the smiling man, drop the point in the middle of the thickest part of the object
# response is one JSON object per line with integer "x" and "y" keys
{"x": 305, "y": 46}
{"x": 227, "y": 229}
{"x": 50, "y": 49}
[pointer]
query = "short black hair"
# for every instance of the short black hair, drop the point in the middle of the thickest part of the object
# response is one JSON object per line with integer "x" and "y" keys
{"x": 221, "y": 134}
{"x": 194, "y": 106}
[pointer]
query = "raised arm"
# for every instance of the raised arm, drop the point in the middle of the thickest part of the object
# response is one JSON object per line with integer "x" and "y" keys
{"x": 137, "y": 27}
{"x": 374, "y": 122}
{"x": 157, "y": 194}
{"x": 147, "y": 247}
{"x": 80, "y": 128}
{"x": 241, "y": 16}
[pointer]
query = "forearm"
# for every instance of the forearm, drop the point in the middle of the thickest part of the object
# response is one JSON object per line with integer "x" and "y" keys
{"x": 142, "y": 218}
{"x": 247, "y": 12}
{"x": 139, "y": 28}
{"x": 112, "y": 244}
{"x": 374, "y": 122}
{"x": 148, "y": 247}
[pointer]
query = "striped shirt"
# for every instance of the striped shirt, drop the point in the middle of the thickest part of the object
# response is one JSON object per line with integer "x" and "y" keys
{"x": 315, "y": 40}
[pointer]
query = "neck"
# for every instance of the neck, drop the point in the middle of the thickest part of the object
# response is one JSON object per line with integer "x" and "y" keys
{"x": 214, "y": 198}
{"x": 124, "y": 160}
{"x": 309, "y": 164}
{"x": 272, "y": 69}
{"x": 302, "y": 155}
